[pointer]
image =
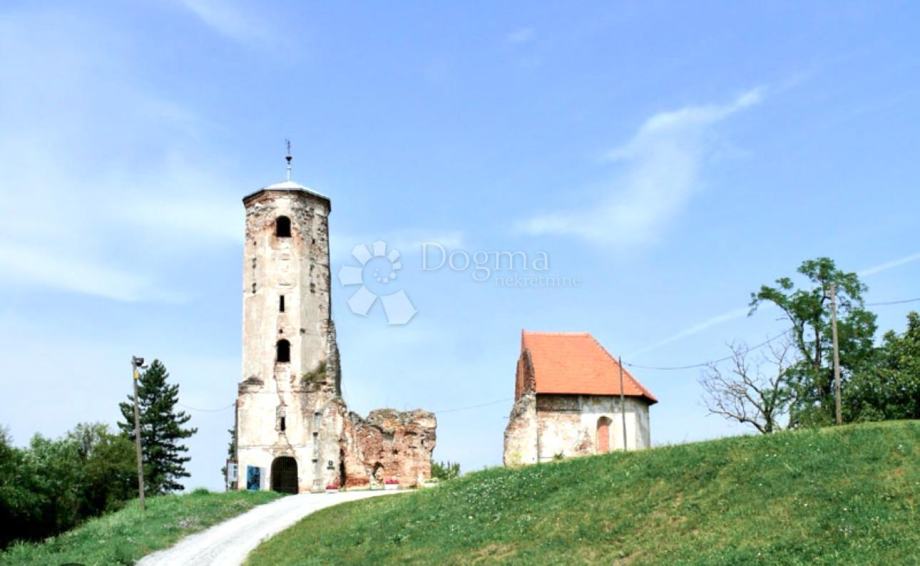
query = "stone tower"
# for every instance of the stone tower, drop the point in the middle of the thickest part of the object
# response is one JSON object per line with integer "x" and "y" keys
{"x": 290, "y": 415}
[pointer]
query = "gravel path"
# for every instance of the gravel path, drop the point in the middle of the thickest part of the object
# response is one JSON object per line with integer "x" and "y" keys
{"x": 229, "y": 542}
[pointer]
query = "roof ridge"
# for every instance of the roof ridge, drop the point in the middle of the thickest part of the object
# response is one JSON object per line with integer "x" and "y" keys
{"x": 542, "y": 333}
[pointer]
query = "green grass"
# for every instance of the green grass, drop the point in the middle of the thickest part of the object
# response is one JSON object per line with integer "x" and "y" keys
{"x": 833, "y": 496}
{"x": 125, "y": 536}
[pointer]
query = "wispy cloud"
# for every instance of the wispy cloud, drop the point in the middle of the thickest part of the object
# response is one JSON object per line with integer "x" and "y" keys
{"x": 521, "y": 35}
{"x": 716, "y": 320}
{"x": 105, "y": 185}
{"x": 55, "y": 269}
{"x": 661, "y": 169}
{"x": 229, "y": 18}
{"x": 889, "y": 265}
{"x": 741, "y": 312}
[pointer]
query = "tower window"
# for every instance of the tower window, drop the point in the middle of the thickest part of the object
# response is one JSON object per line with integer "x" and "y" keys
{"x": 283, "y": 227}
{"x": 283, "y": 351}
{"x": 281, "y": 303}
{"x": 282, "y": 418}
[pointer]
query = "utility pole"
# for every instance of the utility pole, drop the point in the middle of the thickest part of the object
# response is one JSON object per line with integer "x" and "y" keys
{"x": 622, "y": 402}
{"x": 833, "y": 294}
{"x": 136, "y": 364}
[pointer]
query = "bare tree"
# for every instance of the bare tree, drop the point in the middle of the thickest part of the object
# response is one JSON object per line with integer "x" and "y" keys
{"x": 756, "y": 389}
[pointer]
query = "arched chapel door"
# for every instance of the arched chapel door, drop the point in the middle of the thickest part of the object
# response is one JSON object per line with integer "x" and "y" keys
{"x": 603, "y": 435}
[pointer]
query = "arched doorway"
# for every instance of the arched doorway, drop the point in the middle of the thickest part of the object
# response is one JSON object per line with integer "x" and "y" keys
{"x": 284, "y": 475}
{"x": 603, "y": 435}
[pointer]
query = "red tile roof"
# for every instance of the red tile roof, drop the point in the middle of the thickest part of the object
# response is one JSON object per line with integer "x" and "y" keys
{"x": 575, "y": 363}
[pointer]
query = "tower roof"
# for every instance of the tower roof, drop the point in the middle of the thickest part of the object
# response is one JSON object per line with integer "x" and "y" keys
{"x": 285, "y": 186}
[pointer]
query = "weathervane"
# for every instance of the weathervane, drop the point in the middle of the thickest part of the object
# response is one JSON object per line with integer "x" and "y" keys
{"x": 288, "y": 158}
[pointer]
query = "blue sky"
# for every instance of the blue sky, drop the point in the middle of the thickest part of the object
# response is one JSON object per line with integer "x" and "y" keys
{"x": 667, "y": 159}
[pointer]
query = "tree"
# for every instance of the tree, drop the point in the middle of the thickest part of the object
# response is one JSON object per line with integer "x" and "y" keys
{"x": 808, "y": 310}
{"x": 54, "y": 484}
{"x": 747, "y": 393}
{"x": 445, "y": 470}
{"x": 161, "y": 430}
{"x": 889, "y": 387}
{"x": 231, "y": 457}
{"x": 109, "y": 473}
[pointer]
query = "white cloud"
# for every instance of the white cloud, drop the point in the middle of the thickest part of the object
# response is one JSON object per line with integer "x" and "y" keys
{"x": 521, "y": 35}
{"x": 661, "y": 170}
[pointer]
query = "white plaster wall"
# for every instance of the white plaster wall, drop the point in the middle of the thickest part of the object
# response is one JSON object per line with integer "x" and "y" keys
{"x": 574, "y": 432}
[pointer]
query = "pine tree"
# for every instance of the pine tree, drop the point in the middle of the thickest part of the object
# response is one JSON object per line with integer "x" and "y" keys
{"x": 161, "y": 430}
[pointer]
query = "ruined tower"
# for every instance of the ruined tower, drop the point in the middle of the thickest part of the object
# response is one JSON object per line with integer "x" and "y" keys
{"x": 290, "y": 415}
{"x": 293, "y": 430}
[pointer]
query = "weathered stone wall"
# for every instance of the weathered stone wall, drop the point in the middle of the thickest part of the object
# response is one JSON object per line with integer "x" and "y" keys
{"x": 542, "y": 427}
{"x": 521, "y": 432}
{"x": 289, "y": 408}
{"x": 294, "y": 408}
{"x": 388, "y": 445}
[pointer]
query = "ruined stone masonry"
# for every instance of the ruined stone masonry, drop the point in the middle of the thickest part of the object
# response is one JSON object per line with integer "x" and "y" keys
{"x": 294, "y": 430}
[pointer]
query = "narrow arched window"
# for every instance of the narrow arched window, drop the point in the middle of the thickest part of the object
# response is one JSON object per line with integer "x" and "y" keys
{"x": 283, "y": 227}
{"x": 283, "y": 351}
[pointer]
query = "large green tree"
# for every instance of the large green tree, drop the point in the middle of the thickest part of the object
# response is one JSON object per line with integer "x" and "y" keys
{"x": 808, "y": 310}
{"x": 889, "y": 387}
{"x": 53, "y": 484}
{"x": 107, "y": 462}
{"x": 162, "y": 430}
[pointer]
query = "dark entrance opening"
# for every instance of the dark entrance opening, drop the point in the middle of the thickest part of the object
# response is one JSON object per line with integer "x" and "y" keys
{"x": 284, "y": 475}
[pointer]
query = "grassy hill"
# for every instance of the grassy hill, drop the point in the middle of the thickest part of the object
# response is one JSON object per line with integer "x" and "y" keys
{"x": 125, "y": 536}
{"x": 830, "y": 496}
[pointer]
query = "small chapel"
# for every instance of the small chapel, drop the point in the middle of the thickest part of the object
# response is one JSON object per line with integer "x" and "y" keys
{"x": 572, "y": 398}
{"x": 294, "y": 432}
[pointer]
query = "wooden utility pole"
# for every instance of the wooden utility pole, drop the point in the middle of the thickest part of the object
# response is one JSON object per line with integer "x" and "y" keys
{"x": 622, "y": 401}
{"x": 136, "y": 364}
{"x": 833, "y": 294}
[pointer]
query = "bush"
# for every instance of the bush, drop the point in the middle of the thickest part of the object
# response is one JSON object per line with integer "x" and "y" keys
{"x": 445, "y": 470}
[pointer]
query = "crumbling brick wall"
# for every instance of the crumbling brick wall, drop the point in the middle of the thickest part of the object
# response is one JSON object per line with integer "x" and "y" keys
{"x": 388, "y": 444}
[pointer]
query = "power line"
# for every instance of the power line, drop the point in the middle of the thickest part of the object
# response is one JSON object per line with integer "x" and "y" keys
{"x": 762, "y": 344}
{"x": 632, "y": 365}
{"x": 710, "y": 362}
{"x": 901, "y": 302}
{"x": 184, "y": 406}
{"x": 497, "y": 401}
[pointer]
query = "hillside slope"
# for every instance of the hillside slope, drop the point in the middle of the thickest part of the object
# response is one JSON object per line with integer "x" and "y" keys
{"x": 124, "y": 536}
{"x": 842, "y": 495}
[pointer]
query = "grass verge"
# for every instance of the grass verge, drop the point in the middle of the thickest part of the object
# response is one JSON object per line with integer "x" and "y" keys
{"x": 125, "y": 536}
{"x": 843, "y": 495}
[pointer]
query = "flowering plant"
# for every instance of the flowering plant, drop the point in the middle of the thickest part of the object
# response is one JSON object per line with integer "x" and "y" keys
{"x": 391, "y": 481}
{"x": 333, "y": 486}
